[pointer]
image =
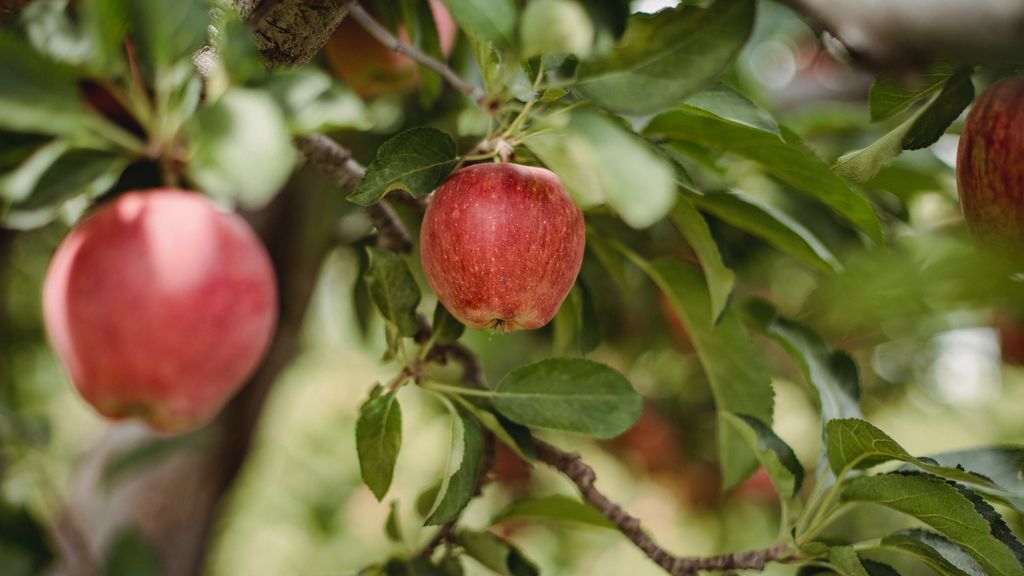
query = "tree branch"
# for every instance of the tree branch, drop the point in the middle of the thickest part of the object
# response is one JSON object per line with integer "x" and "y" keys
{"x": 336, "y": 161}
{"x": 291, "y": 32}
{"x": 385, "y": 37}
{"x": 894, "y": 34}
{"x": 581, "y": 474}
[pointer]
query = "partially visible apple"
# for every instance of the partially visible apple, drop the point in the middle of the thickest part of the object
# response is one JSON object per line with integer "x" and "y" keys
{"x": 990, "y": 165}
{"x": 370, "y": 68}
{"x": 759, "y": 488}
{"x": 160, "y": 306}
{"x": 501, "y": 245}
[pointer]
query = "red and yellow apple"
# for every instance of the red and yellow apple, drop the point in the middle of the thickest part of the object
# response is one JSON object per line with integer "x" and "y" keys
{"x": 990, "y": 165}
{"x": 159, "y": 305}
{"x": 501, "y": 245}
{"x": 370, "y": 68}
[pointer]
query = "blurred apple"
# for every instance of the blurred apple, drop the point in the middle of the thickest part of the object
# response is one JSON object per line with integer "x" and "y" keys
{"x": 758, "y": 488}
{"x": 1011, "y": 338}
{"x": 160, "y": 306}
{"x": 370, "y": 68}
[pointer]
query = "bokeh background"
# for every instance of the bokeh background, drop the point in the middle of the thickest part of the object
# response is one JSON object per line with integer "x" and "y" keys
{"x": 936, "y": 335}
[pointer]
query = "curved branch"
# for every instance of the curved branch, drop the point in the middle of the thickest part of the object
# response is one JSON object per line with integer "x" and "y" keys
{"x": 583, "y": 476}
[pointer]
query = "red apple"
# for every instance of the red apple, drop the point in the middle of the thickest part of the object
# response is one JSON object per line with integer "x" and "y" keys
{"x": 990, "y": 164}
{"x": 160, "y": 306}
{"x": 370, "y": 68}
{"x": 501, "y": 245}
{"x": 653, "y": 443}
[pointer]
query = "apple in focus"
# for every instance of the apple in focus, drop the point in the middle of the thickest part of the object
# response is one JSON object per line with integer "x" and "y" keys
{"x": 990, "y": 165}
{"x": 501, "y": 245}
{"x": 370, "y": 68}
{"x": 160, "y": 306}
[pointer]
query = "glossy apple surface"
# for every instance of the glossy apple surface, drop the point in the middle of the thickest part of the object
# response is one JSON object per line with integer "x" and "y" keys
{"x": 159, "y": 305}
{"x": 990, "y": 165}
{"x": 501, "y": 245}
{"x": 370, "y": 68}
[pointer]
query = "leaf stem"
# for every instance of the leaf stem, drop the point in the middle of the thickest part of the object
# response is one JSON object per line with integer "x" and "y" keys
{"x": 460, "y": 390}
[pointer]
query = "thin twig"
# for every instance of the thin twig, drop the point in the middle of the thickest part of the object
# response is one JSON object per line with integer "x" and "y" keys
{"x": 385, "y": 37}
{"x": 336, "y": 161}
{"x": 581, "y": 474}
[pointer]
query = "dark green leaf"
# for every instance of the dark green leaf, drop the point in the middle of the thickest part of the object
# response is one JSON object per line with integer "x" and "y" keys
{"x": 76, "y": 172}
{"x": 936, "y": 551}
{"x": 393, "y": 526}
{"x": 846, "y": 561}
{"x": 378, "y": 440}
{"x": 942, "y": 505}
{"x": 695, "y": 230}
{"x": 131, "y": 553}
{"x": 393, "y": 289}
{"x": 589, "y": 334}
{"x": 724, "y": 102}
{"x": 166, "y": 33}
{"x": 920, "y": 130}
{"x": 462, "y": 468}
{"x": 490, "y": 20}
{"x": 786, "y": 157}
{"x": 571, "y": 395}
{"x": 556, "y": 508}
{"x": 664, "y": 57}
{"x": 446, "y": 328}
{"x": 495, "y": 553}
{"x": 739, "y": 381}
{"x": 768, "y": 223}
{"x": 37, "y": 94}
{"x": 105, "y": 23}
{"x": 775, "y": 455}
{"x": 887, "y": 99}
{"x": 516, "y": 437}
{"x": 601, "y": 162}
{"x": 419, "y": 22}
{"x": 416, "y": 161}
{"x": 242, "y": 148}
{"x": 1003, "y": 465}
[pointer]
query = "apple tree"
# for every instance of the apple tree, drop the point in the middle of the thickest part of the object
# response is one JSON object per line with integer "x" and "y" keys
{"x": 756, "y": 261}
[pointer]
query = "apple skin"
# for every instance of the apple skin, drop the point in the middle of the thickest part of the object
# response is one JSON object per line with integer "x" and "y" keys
{"x": 159, "y": 305}
{"x": 501, "y": 245}
{"x": 990, "y": 165}
{"x": 370, "y": 68}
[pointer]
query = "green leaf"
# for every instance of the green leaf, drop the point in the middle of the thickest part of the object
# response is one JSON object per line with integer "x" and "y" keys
{"x": 461, "y": 468}
{"x": 555, "y": 27}
{"x": 242, "y": 148}
{"x": 490, "y": 20}
{"x": 105, "y": 23}
{"x": 738, "y": 378}
{"x": 418, "y": 19}
{"x": 727, "y": 103}
{"x": 695, "y": 230}
{"x": 775, "y": 455}
{"x": 775, "y": 227}
{"x": 75, "y": 172}
{"x": 37, "y": 94}
{"x": 663, "y": 57}
{"x": 887, "y": 99}
{"x": 52, "y": 33}
{"x": 833, "y": 374}
{"x": 601, "y": 162}
{"x": 314, "y": 102}
{"x": 571, "y": 395}
{"x": 496, "y": 553}
{"x": 554, "y": 508}
{"x": 416, "y": 161}
{"x": 516, "y": 437}
{"x": 378, "y": 440}
{"x": 943, "y": 556}
{"x": 589, "y": 332}
{"x": 393, "y": 526}
{"x": 786, "y": 157}
{"x": 944, "y": 506}
{"x": 131, "y": 553}
{"x": 922, "y": 129}
{"x": 1002, "y": 465}
{"x": 166, "y": 33}
{"x": 447, "y": 329}
{"x": 855, "y": 444}
{"x": 393, "y": 289}
{"x": 846, "y": 561}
